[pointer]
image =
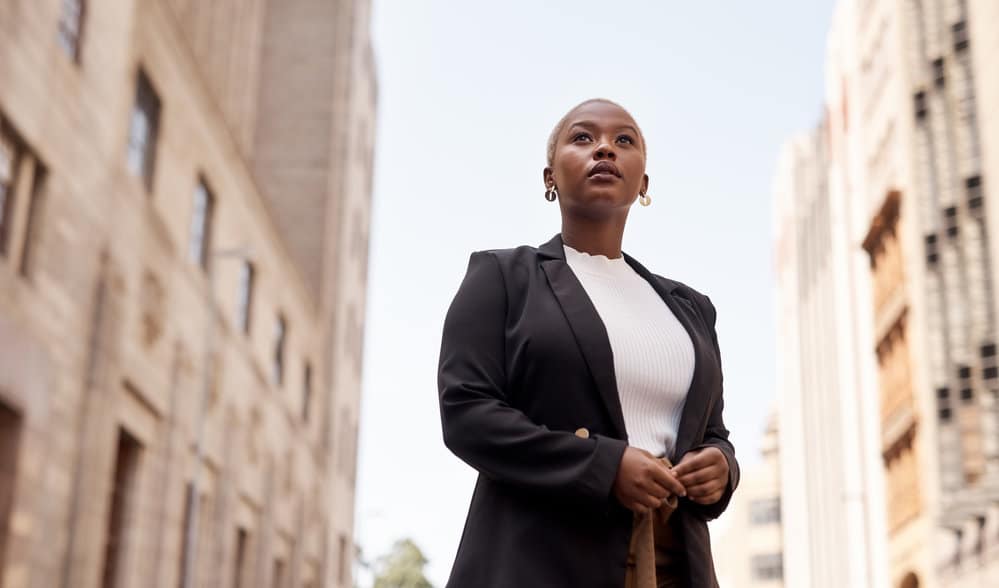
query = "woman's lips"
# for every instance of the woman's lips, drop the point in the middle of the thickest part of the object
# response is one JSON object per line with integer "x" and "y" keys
{"x": 604, "y": 176}
{"x": 604, "y": 171}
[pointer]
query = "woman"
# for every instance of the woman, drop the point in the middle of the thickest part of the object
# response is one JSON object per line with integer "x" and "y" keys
{"x": 571, "y": 377}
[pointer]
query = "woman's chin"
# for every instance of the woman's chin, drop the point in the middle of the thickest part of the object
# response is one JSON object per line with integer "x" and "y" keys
{"x": 598, "y": 199}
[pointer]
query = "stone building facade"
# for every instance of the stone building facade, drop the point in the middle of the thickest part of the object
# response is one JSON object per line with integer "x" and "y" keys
{"x": 913, "y": 98}
{"x": 184, "y": 210}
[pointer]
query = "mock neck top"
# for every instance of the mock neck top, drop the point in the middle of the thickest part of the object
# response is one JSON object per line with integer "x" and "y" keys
{"x": 653, "y": 353}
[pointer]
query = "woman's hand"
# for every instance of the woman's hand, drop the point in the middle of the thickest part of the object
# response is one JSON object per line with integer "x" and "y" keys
{"x": 643, "y": 481}
{"x": 704, "y": 473}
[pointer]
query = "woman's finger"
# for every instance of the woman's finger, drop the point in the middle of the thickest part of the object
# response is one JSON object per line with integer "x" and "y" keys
{"x": 689, "y": 463}
{"x": 656, "y": 490}
{"x": 700, "y": 476}
{"x": 669, "y": 481}
{"x": 705, "y": 489}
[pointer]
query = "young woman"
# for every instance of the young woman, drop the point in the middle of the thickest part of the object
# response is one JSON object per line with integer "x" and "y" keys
{"x": 571, "y": 378}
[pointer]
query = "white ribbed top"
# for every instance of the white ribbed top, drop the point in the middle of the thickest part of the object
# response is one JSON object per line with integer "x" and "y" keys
{"x": 653, "y": 354}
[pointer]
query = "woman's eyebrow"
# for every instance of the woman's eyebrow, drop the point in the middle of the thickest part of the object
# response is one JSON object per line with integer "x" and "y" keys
{"x": 592, "y": 125}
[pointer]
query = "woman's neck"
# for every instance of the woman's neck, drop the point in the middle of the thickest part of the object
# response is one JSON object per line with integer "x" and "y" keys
{"x": 596, "y": 238}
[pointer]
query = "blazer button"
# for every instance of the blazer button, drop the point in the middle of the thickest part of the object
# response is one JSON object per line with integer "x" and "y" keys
{"x": 583, "y": 432}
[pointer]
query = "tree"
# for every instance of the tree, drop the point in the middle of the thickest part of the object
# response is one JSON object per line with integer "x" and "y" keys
{"x": 402, "y": 567}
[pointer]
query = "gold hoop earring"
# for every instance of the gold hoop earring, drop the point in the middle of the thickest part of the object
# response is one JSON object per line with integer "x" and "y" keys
{"x": 551, "y": 194}
{"x": 644, "y": 199}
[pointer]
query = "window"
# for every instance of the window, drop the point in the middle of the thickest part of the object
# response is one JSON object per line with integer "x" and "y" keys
{"x": 71, "y": 27}
{"x": 955, "y": 559}
{"x": 960, "y": 30}
{"x": 939, "y": 77}
{"x": 199, "y": 246}
{"x": 184, "y": 530}
{"x": 980, "y": 535}
{"x": 306, "y": 391}
{"x": 765, "y": 511}
{"x": 240, "y": 562}
{"x": 932, "y": 254}
{"x": 277, "y": 581}
{"x": 10, "y": 159}
{"x": 950, "y": 221}
{"x": 122, "y": 498}
{"x": 964, "y": 379}
{"x": 989, "y": 366}
{"x": 32, "y": 230}
{"x": 10, "y": 438}
{"x": 280, "y": 334}
{"x": 943, "y": 404}
{"x": 245, "y": 300}
{"x": 143, "y": 131}
{"x": 974, "y": 188}
{"x": 22, "y": 177}
{"x": 344, "y": 561}
{"x": 919, "y": 102}
{"x": 769, "y": 566}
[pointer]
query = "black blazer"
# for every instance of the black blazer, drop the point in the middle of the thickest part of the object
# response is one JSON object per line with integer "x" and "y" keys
{"x": 525, "y": 362}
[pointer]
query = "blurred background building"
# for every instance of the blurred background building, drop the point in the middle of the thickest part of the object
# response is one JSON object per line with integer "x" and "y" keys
{"x": 749, "y": 552}
{"x": 894, "y": 354}
{"x": 184, "y": 210}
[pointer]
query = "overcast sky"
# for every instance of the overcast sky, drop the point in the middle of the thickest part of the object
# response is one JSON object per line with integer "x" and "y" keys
{"x": 468, "y": 95}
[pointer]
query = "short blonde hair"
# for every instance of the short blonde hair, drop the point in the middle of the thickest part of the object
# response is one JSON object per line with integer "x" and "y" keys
{"x": 553, "y": 137}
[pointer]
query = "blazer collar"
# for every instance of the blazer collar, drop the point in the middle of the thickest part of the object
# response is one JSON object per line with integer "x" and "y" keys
{"x": 591, "y": 336}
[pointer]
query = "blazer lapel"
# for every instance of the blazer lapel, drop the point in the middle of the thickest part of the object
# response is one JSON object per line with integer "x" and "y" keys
{"x": 587, "y": 327}
{"x": 695, "y": 408}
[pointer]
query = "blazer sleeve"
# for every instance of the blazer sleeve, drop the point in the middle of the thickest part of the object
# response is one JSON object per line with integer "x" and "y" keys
{"x": 716, "y": 434}
{"x": 479, "y": 424}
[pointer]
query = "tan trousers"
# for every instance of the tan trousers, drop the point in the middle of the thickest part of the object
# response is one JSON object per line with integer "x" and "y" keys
{"x": 656, "y": 558}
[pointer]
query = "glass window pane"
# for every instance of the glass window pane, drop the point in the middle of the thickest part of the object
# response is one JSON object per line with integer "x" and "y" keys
{"x": 198, "y": 217}
{"x": 244, "y": 296}
{"x": 138, "y": 135}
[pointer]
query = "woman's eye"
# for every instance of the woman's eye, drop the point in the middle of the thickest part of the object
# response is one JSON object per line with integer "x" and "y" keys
{"x": 627, "y": 139}
{"x": 580, "y": 137}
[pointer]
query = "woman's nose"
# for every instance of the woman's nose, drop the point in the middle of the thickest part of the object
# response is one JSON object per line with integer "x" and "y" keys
{"x": 605, "y": 151}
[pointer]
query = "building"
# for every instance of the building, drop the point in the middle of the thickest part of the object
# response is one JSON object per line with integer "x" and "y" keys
{"x": 983, "y": 18}
{"x": 934, "y": 307}
{"x": 184, "y": 202}
{"x": 833, "y": 529}
{"x": 749, "y": 551}
{"x": 828, "y": 535}
{"x": 918, "y": 148}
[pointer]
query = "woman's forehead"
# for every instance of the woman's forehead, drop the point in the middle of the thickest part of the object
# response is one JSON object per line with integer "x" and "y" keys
{"x": 601, "y": 114}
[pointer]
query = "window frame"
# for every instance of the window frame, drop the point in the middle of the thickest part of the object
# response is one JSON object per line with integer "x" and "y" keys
{"x": 145, "y": 98}
{"x": 279, "y": 351}
{"x": 203, "y": 207}
{"x": 73, "y": 46}
{"x": 9, "y": 140}
{"x": 244, "y": 296}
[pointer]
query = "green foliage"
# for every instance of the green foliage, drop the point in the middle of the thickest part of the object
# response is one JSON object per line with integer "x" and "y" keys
{"x": 402, "y": 568}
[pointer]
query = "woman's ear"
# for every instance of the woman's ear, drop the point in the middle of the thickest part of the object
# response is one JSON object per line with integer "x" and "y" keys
{"x": 645, "y": 184}
{"x": 549, "y": 177}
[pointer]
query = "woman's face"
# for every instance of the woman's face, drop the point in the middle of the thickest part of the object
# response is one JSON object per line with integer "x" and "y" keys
{"x": 599, "y": 162}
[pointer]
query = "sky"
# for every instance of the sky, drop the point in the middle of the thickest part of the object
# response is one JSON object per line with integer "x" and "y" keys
{"x": 468, "y": 92}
